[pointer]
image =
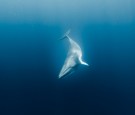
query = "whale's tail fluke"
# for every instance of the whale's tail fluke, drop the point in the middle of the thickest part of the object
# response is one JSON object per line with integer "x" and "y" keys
{"x": 65, "y": 35}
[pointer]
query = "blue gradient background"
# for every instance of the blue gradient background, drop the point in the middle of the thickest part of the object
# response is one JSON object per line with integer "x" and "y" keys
{"x": 31, "y": 57}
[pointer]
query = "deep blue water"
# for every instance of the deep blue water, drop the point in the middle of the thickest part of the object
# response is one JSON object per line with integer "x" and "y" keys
{"x": 31, "y": 56}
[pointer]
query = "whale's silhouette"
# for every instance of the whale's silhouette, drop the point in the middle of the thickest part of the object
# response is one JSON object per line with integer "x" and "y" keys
{"x": 73, "y": 59}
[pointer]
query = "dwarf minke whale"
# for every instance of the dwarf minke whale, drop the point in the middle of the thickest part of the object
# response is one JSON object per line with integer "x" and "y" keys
{"x": 73, "y": 59}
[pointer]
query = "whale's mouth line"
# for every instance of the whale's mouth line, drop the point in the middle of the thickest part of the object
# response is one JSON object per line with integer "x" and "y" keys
{"x": 69, "y": 71}
{"x": 65, "y": 72}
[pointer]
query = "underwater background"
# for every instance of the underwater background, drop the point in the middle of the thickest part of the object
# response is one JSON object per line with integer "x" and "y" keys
{"x": 31, "y": 56}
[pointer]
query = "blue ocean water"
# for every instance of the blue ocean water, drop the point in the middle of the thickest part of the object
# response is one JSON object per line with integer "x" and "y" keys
{"x": 31, "y": 56}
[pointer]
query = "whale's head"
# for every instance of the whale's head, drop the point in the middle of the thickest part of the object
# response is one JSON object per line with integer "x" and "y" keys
{"x": 66, "y": 72}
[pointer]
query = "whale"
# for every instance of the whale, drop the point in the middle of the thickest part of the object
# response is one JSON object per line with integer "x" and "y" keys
{"x": 73, "y": 59}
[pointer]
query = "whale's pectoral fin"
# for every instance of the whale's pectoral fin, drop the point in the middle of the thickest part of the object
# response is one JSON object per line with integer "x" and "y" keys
{"x": 84, "y": 63}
